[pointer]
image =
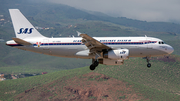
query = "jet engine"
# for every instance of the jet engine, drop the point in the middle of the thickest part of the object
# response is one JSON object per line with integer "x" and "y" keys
{"x": 120, "y": 54}
{"x": 114, "y": 57}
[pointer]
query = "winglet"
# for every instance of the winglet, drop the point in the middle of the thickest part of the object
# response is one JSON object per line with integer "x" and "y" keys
{"x": 22, "y": 42}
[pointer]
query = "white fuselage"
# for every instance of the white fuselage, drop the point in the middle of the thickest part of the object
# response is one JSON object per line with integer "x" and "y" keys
{"x": 74, "y": 48}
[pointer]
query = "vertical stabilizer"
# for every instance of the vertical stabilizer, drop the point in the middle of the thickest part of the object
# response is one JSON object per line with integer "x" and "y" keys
{"x": 22, "y": 27}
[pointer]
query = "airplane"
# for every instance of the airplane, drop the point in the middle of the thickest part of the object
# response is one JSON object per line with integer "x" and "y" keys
{"x": 102, "y": 50}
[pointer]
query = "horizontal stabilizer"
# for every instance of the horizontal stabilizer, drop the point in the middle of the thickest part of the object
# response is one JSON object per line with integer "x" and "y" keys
{"x": 20, "y": 41}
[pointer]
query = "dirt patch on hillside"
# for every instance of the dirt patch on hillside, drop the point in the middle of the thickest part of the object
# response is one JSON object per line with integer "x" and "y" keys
{"x": 87, "y": 87}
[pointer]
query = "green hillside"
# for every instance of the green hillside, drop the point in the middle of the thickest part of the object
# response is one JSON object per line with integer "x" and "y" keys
{"x": 57, "y": 14}
{"x": 161, "y": 82}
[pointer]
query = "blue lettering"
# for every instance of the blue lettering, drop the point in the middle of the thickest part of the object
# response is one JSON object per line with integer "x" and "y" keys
{"x": 77, "y": 41}
{"x": 20, "y": 30}
{"x": 123, "y": 52}
{"x": 30, "y": 30}
{"x": 24, "y": 31}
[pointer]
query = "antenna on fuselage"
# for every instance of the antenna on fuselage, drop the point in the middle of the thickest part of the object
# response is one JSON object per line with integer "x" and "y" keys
{"x": 145, "y": 36}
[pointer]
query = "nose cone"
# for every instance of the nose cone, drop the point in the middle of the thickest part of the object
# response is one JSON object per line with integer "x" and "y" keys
{"x": 170, "y": 50}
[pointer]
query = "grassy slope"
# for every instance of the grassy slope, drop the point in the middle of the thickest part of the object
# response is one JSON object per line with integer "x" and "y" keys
{"x": 160, "y": 82}
{"x": 161, "y": 76}
{"x": 20, "y": 85}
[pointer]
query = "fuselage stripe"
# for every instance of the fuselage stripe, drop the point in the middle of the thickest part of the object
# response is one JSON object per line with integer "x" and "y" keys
{"x": 106, "y": 43}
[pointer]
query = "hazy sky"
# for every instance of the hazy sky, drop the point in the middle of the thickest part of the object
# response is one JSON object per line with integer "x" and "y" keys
{"x": 146, "y": 10}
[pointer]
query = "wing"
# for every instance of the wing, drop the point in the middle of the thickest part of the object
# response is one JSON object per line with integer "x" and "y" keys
{"x": 93, "y": 45}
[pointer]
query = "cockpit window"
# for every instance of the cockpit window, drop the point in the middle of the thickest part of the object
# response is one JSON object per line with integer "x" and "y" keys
{"x": 161, "y": 42}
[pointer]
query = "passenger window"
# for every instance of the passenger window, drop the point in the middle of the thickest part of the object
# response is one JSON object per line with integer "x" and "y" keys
{"x": 159, "y": 42}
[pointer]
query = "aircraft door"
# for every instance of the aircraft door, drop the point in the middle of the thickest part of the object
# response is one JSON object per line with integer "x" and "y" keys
{"x": 46, "y": 44}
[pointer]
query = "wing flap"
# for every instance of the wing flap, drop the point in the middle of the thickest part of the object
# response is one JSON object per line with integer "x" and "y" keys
{"x": 22, "y": 42}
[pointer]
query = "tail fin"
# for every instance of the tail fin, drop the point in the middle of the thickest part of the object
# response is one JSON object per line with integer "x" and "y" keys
{"x": 22, "y": 27}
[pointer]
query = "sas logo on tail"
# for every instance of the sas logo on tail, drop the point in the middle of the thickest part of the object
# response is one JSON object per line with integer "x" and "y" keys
{"x": 25, "y": 30}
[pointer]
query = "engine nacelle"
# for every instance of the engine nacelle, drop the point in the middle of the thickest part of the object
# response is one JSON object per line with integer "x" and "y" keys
{"x": 120, "y": 54}
{"x": 110, "y": 62}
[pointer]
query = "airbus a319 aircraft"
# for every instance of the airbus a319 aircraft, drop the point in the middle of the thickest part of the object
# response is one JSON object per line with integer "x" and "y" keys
{"x": 102, "y": 50}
